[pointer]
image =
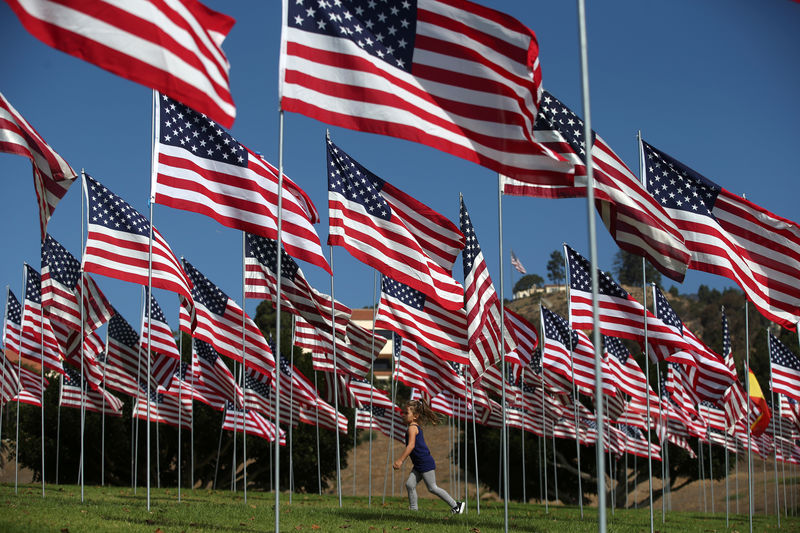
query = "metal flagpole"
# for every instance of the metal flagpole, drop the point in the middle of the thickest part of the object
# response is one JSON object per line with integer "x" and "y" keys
{"x": 747, "y": 421}
{"x": 544, "y": 440}
{"x": 702, "y": 470}
{"x": 103, "y": 430}
{"x": 191, "y": 429}
{"x": 335, "y": 387}
{"x": 394, "y": 398}
{"x": 764, "y": 464}
{"x": 587, "y": 127}
{"x": 457, "y": 431}
{"x": 646, "y": 354}
{"x": 736, "y": 464}
{"x": 727, "y": 471}
{"x": 663, "y": 440}
{"x": 475, "y": 448}
{"x": 355, "y": 463}
{"x": 180, "y": 409}
{"x": 711, "y": 475}
{"x": 150, "y": 202}
{"x": 626, "y": 477}
{"x": 336, "y": 426}
{"x": 2, "y": 404}
{"x": 775, "y": 411}
{"x": 555, "y": 467}
{"x": 19, "y": 371}
{"x": 450, "y": 476}
{"x": 158, "y": 459}
{"x": 41, "y": 382}
{"x": 574, "y": 398}
{"x": 372, "y": 376}
{"x": 522, "y": 437}
{"x": 235, "y": 423}
{"x": 58, "y": 431}
{"x": 81, "y": 354}
{"x": 291, "y": 418}
{"x": 466, "y": 458}
{"x": 244, "y": 372}
{"x": 501, "y": 350}
{"x": 219, "y": 449}
{"x": 278, "y": 260}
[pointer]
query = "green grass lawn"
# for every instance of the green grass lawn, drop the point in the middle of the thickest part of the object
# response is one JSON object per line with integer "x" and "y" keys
{"x": 119, "y": 509}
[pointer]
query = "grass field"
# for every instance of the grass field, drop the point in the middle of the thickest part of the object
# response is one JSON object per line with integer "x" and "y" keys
{"x": 119, "y": 509}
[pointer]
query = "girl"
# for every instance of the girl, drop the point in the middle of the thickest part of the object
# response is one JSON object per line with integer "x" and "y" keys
{"x": 424, "y": 465}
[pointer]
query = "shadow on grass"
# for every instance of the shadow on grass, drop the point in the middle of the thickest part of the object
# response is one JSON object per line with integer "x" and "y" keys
{"x": 377, "y": 516}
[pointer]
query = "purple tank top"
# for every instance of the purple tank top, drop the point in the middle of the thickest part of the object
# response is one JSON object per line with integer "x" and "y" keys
{"x": 421, "y": 456}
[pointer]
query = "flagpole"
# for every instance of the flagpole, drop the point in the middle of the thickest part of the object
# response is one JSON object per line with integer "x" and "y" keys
{"x": 543, "y": 445}
{"x": 336, "y": 428}
{"x": 244, "y": 372}
{"x": 4, "y": 359}
{"x": 747, "y": 422}
{"x": 150, "y": 202}
{"x": 475, "y": 447}
{"x": 291, "y": 418}
{"x": 58, "y": 432}
{"x": 711, "y": 475}
{"x": 522, "y": 436}
{"x": 191, "y": 429}
{"x": 19, "y": 372}
{"x": 574, "y": 396}
{"x": 180, "y": 407}
{"x": 103, "y": 430}
{"x": 664, "y": 442}
{"x": 501, "y": 350}
{"x": 727, "y": 471}
{"x": 81, "y": 354}
{"x": 278, "y": 258}
{"x": 372, "y": 373}
{"x": 41, "y": 382}
{"x": 335, "y": 387}
{"x": 555, "y": 466}
{"x": 775, "y": 409}
{"x": 646, "y": 353}
{"x": 587, "y": 127}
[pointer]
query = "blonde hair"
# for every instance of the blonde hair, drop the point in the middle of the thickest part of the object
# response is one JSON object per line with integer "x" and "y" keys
{"x": 423, "y": 411}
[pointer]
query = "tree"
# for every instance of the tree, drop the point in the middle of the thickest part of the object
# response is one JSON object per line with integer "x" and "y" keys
{"x": 555, "y": 268}
{"x": 527, "y": 281}
{"x": 628, "y": 270}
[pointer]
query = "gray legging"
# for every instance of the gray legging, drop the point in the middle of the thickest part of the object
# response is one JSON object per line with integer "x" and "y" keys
{"x": 429, "y": 478}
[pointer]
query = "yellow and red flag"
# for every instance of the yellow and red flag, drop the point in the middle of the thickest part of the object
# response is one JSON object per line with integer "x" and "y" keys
{"x": 757, "y": 398}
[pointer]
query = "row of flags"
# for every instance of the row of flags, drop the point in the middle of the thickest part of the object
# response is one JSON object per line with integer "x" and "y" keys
{"x": 677, "y": 220}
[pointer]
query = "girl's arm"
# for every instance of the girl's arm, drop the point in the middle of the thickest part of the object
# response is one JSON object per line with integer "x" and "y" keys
{"x": 412, "y": 439}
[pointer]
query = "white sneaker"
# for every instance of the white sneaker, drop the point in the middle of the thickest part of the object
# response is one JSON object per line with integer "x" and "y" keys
{"x": 458, "y": 508}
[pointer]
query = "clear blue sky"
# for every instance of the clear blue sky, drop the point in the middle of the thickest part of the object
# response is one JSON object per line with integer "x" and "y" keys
{"x": 713, "y": 83}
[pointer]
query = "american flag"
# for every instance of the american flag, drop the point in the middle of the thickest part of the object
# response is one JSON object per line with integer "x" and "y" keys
{"x": 213, "y": 380}
{"x": 61, "y": 274}
{"x": 251, "y": 423}
{"x": 30, "y": 390}
{"x": 297, "y": 294}
{"x": 366, "y": 395}
{"x": 785, "y": 369}
{"x": 481, "y": 304}
{"x": 517, "y": 264}
{"x": 392, "y": 232}
{"x": 125, "y": 363}
{"x": 388, "y": 421}
{"x": 219, "y": 321}
{"x": 708, "y": 374}
{"x": 637, "y": 444}
{"x": 93, "y": 347}
{"x": 93, "y": 400}
{"x": 734, "y": 402}
{"x": 202, "y": 168}
{"x": 351, "y": 358}
{"x": 13, "y": 324}
{"x": 525, "y": 337}
{"x": 258, "y": 396}
{"x": 118, "y": 244}
{"x": 164, "y": 408}
{"x": 790, "y": 408}
{"x": 720, "y": 438}
{"x": 727, "y": 347}
{"x": 291, "y": 379}
{"x": 620, "y": 315}
{"x": 175, "y": 47}
{"x": 679, "y": 389}
{"x": 636, "y": 221}
{"x": 456, "y": 76}
{"x": 418, "y": 368}
{"x": 559, "y": 340}
{"x": 534, "y": 373}
{"x": 37, "y": 340}
{"x": 163, "y": 340}
{"x": 52, "y": 176}
{"x": 337, "y": 390}
{"x": 415, "y": 317}
{"x": 182, "y": 383}
{"x": 9, "y": 380}
{"x": 625, "y": 371}
{"x": 713, "y": 416}
{"x": 730, "y": 236}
